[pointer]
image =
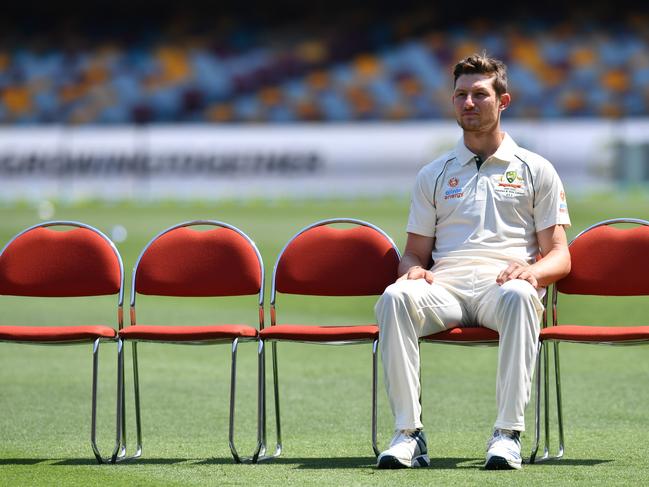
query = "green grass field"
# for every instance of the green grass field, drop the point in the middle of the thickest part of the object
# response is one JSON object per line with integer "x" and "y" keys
{"x": 325, "y": 390}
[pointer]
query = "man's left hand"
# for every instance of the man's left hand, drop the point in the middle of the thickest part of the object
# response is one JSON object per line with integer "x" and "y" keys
{"x": 518, "y": 271}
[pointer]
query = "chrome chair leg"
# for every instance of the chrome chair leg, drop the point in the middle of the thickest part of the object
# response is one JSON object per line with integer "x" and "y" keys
{"x": 233, "y": 385}
{"x": 120, "y": 407}
{"x": 557, "y": 378}
{"x": 136, "y": 388}
{"x": 260, "y": 449}
{"x": 374, "y": 394}
{"x": 262, "y": 415}
{"x": 278, "y": 421}
{"x": 546, "y": 402}
{"x": 263, "y": 404}
{"x": 546, "y": 406}
{"x": 93, "y": 414}
{"x": 537, "y": 406}
{"x": 136, "y": 392}
{"x": 93, "y": 418}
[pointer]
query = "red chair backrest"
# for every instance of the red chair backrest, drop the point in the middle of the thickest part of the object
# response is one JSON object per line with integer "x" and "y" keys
{"x": 329, "y": 261}
{"x": 609, "y": 261}
{"x": 48, "y": 263}
{"x": 187, "y": 262}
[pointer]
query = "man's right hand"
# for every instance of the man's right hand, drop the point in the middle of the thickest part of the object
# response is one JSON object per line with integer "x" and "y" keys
{"x": 417, "y": 272}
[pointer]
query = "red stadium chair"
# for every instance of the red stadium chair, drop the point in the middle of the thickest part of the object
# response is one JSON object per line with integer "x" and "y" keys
{"x": 323, "y": 260}
{"x": 184, "y": 262}
{"x": 468, "y": 336}
{"x": 606, "y": 261}
{"x": 477, "y": 335}
{"x": 80, "y": 261}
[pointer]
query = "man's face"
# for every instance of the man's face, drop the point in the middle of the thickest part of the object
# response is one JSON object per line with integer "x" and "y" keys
{"x": 477, "y": 107}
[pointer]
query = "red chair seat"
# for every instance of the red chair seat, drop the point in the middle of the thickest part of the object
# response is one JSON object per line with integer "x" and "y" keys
{"x": 55, "y": 333}
{"x": 309, "y": 333}
{"x": 582, "y": 333}
{"x": 187, "y": 333}
{"x": 469, "y": 334}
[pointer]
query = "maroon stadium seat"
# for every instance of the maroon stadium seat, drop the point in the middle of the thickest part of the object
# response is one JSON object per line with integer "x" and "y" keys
{"x": 324, "y": 260}
{"x": 605, "y": 261}
{"x": 184, "y": 262}
{"x": 80, "y": 261}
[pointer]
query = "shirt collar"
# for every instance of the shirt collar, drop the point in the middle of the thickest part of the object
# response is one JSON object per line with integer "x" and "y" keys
{"x": 505, "y": 152}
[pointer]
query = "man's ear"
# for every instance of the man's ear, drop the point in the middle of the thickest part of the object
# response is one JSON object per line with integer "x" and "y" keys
{"x": 505, "y": 100}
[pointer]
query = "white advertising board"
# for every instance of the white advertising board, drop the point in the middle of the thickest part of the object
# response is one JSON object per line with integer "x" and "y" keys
{"x": 312, "y": 160}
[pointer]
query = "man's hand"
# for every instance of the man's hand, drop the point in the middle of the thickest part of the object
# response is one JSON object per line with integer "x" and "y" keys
{"x": 417, "y": 272}
{"x": 518, "y": 271}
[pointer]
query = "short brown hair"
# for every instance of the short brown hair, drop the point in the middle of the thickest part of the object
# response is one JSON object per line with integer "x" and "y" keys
{"x": 481, "y": 64}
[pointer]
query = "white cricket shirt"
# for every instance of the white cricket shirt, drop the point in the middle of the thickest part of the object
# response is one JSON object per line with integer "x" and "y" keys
{"x": 491, "y": 213}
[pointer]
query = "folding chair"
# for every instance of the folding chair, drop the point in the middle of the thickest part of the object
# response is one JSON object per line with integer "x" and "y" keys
{"x": 323, "y": 260}
{"x": 183, "y": 262}
{"x": 78, "y": 262}
{"x": 605, "y": 261}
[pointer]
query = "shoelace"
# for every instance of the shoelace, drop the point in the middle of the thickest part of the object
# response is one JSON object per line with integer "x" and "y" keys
{"x": 500, "y": 434}
{"x": 406, "y": 434}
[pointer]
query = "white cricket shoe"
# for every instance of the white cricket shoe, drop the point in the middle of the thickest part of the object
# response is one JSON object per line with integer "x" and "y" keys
{"x": 407, "y": 449}
{"x": 504, "y": 450}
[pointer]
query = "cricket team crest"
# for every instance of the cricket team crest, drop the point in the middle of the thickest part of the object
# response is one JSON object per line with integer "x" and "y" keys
{"x": 510, "y": 184}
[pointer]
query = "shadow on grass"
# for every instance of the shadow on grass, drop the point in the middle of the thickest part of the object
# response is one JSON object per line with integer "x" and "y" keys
{"x": 478, "y": 463}
{"x": 314, "y": 463}
{"x": 570, "y": 462}
{"x": 140, "y": 461}
{"x": 92, "y": 461}
{"x": 23, "y": 461}
{"x": 450, "y": 463}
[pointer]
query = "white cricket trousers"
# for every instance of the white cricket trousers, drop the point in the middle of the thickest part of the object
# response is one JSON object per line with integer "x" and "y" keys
{"x": 464, "y": 293}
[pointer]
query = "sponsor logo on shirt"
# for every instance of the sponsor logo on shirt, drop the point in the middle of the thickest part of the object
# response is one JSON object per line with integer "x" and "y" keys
{"x": 563, "y": 206}
{"x": 454, "y": 191}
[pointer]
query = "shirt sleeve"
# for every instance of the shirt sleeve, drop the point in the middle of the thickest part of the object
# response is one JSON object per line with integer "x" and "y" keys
{"x": 423, "y": 214}
{"x": 550, "y": 205}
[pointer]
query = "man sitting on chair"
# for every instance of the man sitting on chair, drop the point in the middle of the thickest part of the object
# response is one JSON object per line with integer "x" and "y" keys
{"x": 482, "y": 213}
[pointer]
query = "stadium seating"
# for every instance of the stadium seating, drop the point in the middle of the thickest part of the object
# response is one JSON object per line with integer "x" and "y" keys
{"x": 78, "y": 262}
{"x": 398, "y": 68}
{"x": 182, "y": 261}
{"x": 607, "y": 260}
{"x": 325, "y": 260}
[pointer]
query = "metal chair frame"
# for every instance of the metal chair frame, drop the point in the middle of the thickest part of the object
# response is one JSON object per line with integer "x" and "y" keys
{"x": 235, "y": 342}
{"x": 95, "y": 344}
{"x": 543, "y": 354}
{"x": 259, "y": 455}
